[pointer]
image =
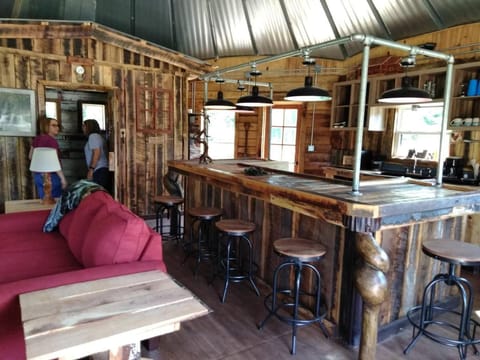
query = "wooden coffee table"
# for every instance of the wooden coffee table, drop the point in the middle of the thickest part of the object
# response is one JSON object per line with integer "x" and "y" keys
{"x": 81, "y": 319}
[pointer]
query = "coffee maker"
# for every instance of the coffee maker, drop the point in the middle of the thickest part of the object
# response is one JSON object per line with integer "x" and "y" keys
{"x": 453, "y": 167}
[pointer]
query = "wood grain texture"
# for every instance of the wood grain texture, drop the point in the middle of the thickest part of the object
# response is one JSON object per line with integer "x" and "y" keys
{"x": 89, "y": 317}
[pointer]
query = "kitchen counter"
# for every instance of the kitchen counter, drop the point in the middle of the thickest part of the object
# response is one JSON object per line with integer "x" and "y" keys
{"x": 373, "y": 240}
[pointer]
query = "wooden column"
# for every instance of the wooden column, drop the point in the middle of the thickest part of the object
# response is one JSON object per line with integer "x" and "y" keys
{"x": 371, "y": 283}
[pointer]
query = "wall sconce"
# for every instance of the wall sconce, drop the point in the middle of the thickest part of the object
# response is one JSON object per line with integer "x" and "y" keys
{"x": 80, "y": 72}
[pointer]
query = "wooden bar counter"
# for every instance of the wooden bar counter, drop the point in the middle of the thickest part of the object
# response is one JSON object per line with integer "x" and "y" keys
{"x": 373, "y": 240}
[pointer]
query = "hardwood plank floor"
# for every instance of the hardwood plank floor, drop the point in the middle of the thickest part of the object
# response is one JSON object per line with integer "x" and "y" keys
{"x": 230, "y": 330}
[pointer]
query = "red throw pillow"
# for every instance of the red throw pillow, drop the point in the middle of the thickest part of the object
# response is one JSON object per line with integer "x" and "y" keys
{"x": 115, "y": 235}
{"x": 74, "y": 225}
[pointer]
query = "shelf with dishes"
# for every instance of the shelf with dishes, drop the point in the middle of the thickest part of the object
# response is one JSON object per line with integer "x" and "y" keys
{"x": 345, "y": 97}
{"x": 465, "y": 105}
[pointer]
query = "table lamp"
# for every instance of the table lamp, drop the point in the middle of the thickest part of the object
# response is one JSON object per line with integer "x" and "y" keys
{"x": 45, "y": 161}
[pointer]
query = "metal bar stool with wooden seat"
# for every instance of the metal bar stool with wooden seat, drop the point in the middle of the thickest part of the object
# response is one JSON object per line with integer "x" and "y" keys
{"x": 476, "y": 318}
{"x": 431, "y": 319}
{"x": 169, "y": 205}
{"x": 234, "y": 239}
{"x": 299, "y": 253}
{"x": 202, "y": 243}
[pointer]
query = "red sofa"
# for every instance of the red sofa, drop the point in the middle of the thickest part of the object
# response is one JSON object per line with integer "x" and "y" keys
{"x": 100, "y": 238}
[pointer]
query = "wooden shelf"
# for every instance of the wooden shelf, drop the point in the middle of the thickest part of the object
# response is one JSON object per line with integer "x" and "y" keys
{"x": 463, "y": 106}
{"x": 345, "y": 96}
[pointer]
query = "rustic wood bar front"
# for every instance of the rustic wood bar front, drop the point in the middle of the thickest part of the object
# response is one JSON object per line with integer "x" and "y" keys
{"x": 373, "y": 240}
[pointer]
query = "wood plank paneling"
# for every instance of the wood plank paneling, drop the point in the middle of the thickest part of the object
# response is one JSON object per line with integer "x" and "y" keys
{"x": 35, "y": 55}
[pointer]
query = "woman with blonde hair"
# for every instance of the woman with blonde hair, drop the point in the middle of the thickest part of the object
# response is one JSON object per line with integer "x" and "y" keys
{"x": 49, "y": 129}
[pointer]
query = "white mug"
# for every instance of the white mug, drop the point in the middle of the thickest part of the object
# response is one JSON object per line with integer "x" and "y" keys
{"x": 467, "y": 121}
{"x": 456, "y": 122}
{"x": 476, "y": 121}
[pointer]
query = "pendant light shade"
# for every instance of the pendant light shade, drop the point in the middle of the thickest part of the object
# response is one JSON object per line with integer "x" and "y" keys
{"x": 308, "y": 92}
{"x": 244, "y": 110}
{"x": 254, "y": 100}
{"x": 406, "y": 94}
{"x": 219, "y": 103}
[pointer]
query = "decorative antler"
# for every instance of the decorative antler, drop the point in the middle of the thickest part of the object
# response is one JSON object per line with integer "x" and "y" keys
{"x": 204, "y": 158}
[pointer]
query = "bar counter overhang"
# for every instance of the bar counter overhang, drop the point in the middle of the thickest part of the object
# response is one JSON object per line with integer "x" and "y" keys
{"x": 373, "y": 238}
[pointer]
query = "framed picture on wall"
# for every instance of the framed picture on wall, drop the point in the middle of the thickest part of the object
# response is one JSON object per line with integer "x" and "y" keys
{"x": 17, "y": 112}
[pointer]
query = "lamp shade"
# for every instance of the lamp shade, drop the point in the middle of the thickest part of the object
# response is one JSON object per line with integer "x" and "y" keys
{"x": 254, "y": 100}
{"x": 219, "y": 103}
{"x": 308, "y": 93}
{"x": 244, "y": 110}
{"x": 45, "y": 160}
{"x": 406, "y": 94}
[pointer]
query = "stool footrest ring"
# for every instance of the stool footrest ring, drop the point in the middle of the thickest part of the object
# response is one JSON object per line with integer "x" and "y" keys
{"x": 290, "y": 319}
{"x": 441, "y": 339}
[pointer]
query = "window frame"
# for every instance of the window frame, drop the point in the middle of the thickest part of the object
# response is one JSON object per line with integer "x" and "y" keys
{"x": 396, "y": 138}
{"x": 298, "y": 107}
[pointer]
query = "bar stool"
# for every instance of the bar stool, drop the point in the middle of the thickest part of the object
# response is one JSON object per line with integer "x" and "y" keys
{"x": 454, "y": 253}
{"x": 299, "y": 253}
{"x": 202, "y": 244}
{"x": 235, "y": 232}
{"x": 476, "y": 319}
{"x": 169, "y": 204}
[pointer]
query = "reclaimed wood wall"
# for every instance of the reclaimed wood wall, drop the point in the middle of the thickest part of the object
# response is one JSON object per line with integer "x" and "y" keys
{"x": 147, "y": 88}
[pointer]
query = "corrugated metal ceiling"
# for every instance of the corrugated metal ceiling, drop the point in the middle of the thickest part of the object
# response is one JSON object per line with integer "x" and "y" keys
{"x": 208, "y": 29}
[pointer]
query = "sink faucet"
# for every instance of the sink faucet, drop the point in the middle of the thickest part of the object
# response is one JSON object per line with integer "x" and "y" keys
{"x": 414, "y": 169}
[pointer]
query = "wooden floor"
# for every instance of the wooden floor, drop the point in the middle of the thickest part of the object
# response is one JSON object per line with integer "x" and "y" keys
{"x": 230, "y": 330}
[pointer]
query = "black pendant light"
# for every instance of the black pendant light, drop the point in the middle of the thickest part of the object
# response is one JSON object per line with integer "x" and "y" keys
{"x": 243, "y": 109}
{"x": 219, "y": 103}
{"x": 407, "y": 93}
{"x": 308, "y": 92}
{"x": 254, "y": 100}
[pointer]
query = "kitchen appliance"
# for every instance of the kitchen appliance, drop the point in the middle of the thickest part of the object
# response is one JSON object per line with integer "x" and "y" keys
{"x": 453, "y": 167}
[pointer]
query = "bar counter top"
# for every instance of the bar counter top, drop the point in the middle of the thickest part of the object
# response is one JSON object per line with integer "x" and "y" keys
{"x": 383, "y": 201}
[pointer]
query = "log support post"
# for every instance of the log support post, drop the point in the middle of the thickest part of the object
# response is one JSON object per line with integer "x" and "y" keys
{"x": 371, "y": 283}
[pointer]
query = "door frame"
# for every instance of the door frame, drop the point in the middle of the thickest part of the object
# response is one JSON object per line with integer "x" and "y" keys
{"x": 115, "y": 145}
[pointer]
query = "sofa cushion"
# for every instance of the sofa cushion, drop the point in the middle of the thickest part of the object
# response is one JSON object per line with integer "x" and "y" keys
{"x": 115, "y": 236}
{"x": 75, "y": 223}
{"x": 31, "y": 254}
{"x": 101, "y": 231}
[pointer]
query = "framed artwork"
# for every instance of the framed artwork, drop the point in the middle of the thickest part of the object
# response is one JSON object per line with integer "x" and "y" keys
{"x": 17, "y": 112}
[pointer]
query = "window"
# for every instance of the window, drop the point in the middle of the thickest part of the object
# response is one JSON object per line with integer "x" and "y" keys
{"x": 94, "y": 111}
{"x": 417, "y": 132}
{"x": 221, "y": 134}
{"x": 51, "y": 109}
{"x": 283, "y": 135}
